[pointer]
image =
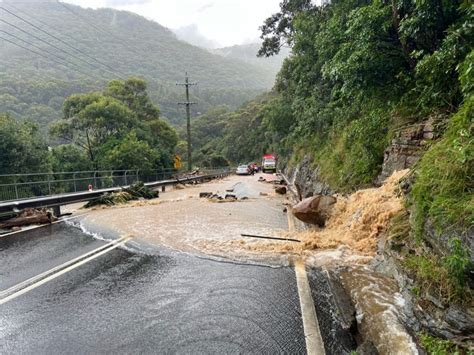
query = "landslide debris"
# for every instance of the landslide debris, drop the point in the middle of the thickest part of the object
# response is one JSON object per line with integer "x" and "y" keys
{"x": 355, "y": 224}
{"x": 29, "y": 216}
{"x": 358, "y": 220}
{"x": 137, "y": 191}
{"x": 314, "y": 210}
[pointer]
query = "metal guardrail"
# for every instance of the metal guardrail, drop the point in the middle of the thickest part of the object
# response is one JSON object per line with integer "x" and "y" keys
{"x": 16, "y": 187}
{"x": 11, "y": 207}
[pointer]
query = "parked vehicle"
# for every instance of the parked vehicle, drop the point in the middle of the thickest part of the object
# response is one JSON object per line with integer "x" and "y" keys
{"x": 254, "y": 167}
{"x": 269, "y": 163}
{"x": 243, "y": 170}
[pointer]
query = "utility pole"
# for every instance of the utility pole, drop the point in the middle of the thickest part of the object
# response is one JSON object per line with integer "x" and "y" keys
{"x": 188, "y": 104}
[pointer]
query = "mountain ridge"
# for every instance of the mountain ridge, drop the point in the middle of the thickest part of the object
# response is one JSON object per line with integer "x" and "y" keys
{"x": 33, "y": 87}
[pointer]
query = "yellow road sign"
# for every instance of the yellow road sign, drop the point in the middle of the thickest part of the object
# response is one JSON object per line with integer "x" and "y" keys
{"x": 177, "y": 162}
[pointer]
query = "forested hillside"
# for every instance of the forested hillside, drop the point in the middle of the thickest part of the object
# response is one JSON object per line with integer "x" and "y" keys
{"x": 34, "y": 86}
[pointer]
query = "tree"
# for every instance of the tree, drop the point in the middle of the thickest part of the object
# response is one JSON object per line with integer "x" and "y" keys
{"x": 22, "y": 149}
{"x": 278, "y": 29}
{"x": 129, "y": 153}
{"x": 133, "y": 93}
{"x": 68, "y": 157}
{"x": 161, "y": 134}
{"x": 92, "y": 119}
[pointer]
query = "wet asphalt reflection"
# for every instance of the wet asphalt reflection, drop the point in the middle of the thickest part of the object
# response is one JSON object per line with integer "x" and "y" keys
{"x": 147, "y": 301}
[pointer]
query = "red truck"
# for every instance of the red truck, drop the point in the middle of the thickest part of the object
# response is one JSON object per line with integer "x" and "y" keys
{"x": 269, "y": 163}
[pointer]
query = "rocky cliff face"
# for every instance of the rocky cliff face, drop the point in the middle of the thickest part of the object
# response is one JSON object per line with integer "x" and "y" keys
{"x": 405, "y": 150}
{"x": 407, "y": 147}
{"x": 305, "y": 178}
{"x": 425, "y": 311}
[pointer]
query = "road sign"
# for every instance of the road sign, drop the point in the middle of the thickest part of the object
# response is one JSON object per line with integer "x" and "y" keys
{"x": 177, "y": 162}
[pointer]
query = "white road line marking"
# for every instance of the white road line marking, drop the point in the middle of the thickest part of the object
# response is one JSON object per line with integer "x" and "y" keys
{"x": 314, "y": 341}
{"x": 42, "y": 225}
{"x": 63, "y": 271}
{"x": 57, "y": 268}
{"x": 312, "y": 334}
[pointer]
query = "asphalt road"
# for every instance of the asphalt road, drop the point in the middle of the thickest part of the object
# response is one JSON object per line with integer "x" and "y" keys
{"x": 142, "y": 299}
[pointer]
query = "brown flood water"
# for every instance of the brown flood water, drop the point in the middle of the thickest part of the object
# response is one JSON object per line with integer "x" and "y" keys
{"x": 182, "y": 221}
{"x": 378, "y": 306}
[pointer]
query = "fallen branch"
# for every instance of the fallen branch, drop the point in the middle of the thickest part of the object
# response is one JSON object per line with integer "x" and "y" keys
{"x": 274, "y": 238}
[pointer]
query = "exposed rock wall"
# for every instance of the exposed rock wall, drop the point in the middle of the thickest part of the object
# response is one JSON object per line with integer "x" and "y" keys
{"x": 426, "y": 312}
{"x": 305, "y": 178}
{"x": 407, "y": 147}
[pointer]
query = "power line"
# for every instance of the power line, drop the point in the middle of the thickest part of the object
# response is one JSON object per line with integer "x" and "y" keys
{"x": 132, "y": 48}
{"x": 59, "y": 39}
{"x": 52, "y": 45}
{"x": 44, "y": 50}
{"x": 35, "y": 52}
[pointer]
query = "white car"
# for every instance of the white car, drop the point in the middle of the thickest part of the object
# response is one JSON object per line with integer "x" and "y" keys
{"x": 243, "y": 170}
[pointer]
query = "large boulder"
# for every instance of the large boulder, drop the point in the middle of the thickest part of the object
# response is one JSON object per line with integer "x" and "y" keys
{"x": 315, "y": 209}
{"x": 281, "y": 190}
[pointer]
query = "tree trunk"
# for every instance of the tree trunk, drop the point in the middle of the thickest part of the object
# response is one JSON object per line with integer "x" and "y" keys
{"x": 37, "y": 217}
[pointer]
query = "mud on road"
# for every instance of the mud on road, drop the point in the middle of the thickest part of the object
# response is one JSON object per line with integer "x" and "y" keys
{"x": 179, "y": 219}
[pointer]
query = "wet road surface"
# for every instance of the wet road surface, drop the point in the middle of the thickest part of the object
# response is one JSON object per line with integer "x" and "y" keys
{"x": 142, "y": 299}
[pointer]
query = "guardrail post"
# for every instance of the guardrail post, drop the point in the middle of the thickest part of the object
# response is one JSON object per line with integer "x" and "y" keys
{"x": 137, "y": 176}
{"x": 49, "y": 184}
{"x": 126, "y": 171}
{"x": 95, "y": 180}
{"x": 74, "y": 180}
{"x": 16, "y": 187}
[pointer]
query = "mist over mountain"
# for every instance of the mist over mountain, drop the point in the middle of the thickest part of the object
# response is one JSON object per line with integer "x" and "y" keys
{"x": 248, "y": 53}
{"x": 192, "y": 35}
{"x": 96, "y": 46}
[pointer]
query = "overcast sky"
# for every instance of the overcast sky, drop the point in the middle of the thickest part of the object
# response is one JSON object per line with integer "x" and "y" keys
{"x": 227, "y": 22}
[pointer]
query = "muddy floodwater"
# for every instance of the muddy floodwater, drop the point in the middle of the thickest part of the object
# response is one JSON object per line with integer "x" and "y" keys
{"x": 179, "y": 219}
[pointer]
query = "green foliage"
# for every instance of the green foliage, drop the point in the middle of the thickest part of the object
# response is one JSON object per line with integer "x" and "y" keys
{"x": 133, "y": 93}
{"x": 369, "y": 58}
{"x": 221, "y": 137}
{"x": 353, "y": 154}
{"x": 128, "y": 153}
{"x": 466, "y": 76}
{"x": 118, "y": 129}
{"x": 437, "y": 85}
{"x": 437, "y": 346}
{"x": 92, "y": 119}
{"x": 278, "y": 29}
{"x": 22, "y": 148}
{"x": 444, "y": 186}
{"x": 458, "y": 262}
{"x": 433, "y": 278}
{"x": 360, "y": 69}
{"x": 68, "y": 157}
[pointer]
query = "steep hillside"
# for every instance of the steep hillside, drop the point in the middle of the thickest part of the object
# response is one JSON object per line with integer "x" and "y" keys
{"x": 34, "y": 86}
